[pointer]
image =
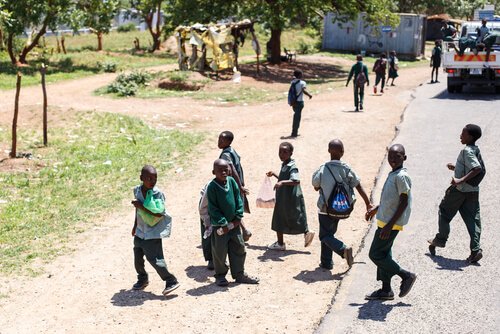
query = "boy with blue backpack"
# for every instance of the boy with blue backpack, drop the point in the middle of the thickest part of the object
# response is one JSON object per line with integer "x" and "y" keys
{"x": 335, "y": 180}
{"x": 296, "y": 100}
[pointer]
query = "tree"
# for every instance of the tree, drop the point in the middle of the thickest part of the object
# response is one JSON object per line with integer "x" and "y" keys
{"x": 95, "y": 14}
{"x": 148, "y": 10}
{"x": 455, "y": 8}
{"x": 279, "y": 14}
{"x": 36, "y": 16}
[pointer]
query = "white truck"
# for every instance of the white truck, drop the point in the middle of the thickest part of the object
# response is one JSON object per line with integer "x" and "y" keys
{"x": 471, "y": 68}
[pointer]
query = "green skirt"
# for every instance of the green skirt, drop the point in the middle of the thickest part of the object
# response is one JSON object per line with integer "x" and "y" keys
{"x": 289, "y": 216}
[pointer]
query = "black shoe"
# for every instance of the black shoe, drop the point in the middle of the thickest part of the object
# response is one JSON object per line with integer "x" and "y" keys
{"x": 436, "y": 243}
{"x": 348, "y": 256}
{"x": 432, "y": 250}
{"x": 380, "y": 295}
{"x": 361, "y": 107}
{"x": 170, "y": 287}
{"x": 245, "y": 279}
{"x": 221, "y": 281}
{"x": 210, "y": 265}
{"x": 475, "y": 256}
{"x": 407, "y": 284}
{"x": 327, "y": 267}
{"x": 356, "y": 110}
{"x": 432, "y": 81}
{"x": 140, "y": 285}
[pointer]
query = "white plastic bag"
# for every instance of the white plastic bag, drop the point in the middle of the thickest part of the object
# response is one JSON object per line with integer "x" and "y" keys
{"x": 266, "y": 196}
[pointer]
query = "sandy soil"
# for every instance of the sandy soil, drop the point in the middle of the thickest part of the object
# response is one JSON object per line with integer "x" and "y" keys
{"x": 88, "y": 290}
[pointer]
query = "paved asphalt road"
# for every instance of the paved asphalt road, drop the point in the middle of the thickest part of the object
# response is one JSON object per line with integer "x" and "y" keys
{"x": 449, "y": 295}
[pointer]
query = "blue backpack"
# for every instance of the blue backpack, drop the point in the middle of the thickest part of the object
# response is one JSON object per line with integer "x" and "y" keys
{"x": 292, "y": 93}
{"x": 339, "y": 204}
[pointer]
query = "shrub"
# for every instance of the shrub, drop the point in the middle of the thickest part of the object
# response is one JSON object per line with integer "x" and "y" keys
{"x": 108, "y": 66}
{"x": 127, "y": 84}
{"x": 178, "y": 76}
{"x": 127, "y": 27}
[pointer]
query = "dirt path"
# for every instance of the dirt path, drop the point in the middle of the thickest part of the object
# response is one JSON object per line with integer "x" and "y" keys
{"x": 89, "y": 289}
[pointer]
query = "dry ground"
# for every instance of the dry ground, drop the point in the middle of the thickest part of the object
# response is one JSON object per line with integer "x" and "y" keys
{"x": 88, "y": 290}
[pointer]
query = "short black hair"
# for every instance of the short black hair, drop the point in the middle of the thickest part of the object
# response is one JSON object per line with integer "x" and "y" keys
{"x": 227, "y": 135}
{"x": 474, "y": 130}
{"x": 297, "y": 74}
{"x": 359, "y": 57}
{"x": 148, "y": 169}
{"x": 288, "y": 145}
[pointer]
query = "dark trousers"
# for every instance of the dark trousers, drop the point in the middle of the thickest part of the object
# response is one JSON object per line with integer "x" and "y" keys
{"x": 206, "y": 244}
{"x": 434, "y": 69}
{"x": 229, "y": 245}
{"x": 378, "y": 78}
{"x": 381, "y": 255}
{"x": 153, "y": 251}
{"x": 329, "y": 244}
{"x": 297, "y": 114}
{"x": 467, "y": 203}
{"x": 359, "y": 95}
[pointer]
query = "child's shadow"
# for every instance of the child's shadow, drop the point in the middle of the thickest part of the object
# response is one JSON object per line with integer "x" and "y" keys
{"x": 448, "y": 264}
{"x": 199, "y": 273}
{"x": 317, "y": 275}
{"x": 208, "y": 289}
{"x": 275, "y": 255}
{"x": 376, "y": 310}
{"x": 136, "y": 297}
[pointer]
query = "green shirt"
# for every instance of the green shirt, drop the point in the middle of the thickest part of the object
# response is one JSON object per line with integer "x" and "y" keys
{"x": 398, "y": 182}
{"x": 356, "y": 69}
{"x": 224, "y": 202}
{"x": 466, "y": 161}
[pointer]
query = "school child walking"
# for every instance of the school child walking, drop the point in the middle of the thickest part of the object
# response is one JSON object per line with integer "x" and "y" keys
{"x": 206, "y": 228}
{"x": 236, "y": 172}
{"x": 289, "y": 215}
{"x": 360, "y": 73}
{"x": 463, "y": 195}
{"x": 436, "y": 60}
{"x": 225, "y": 208}
{"x": 324, "y": 180}
{"x": 298, "y": 86}
{"x": 380, "y": 69}
{"x": 151, "y": 225}
{"x": 393, "y": 67}
{"x": 393, "y": 214}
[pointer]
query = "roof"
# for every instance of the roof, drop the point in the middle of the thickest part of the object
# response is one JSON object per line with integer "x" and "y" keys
{"x": 443, "y": 17}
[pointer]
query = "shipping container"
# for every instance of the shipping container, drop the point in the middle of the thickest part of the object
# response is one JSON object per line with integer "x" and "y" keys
{"x": 407, "y": 39}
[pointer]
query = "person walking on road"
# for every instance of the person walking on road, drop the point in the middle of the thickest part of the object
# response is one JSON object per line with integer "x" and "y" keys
{"x": 380, "y": 69}
{"x": 393, "y": 67}
{"x": 436, "y": 60}
{"x": 298, "y": 86}
{"x": 463, "y": 195}
{"x": 393, "y": 214}
{"x": 360, "y": 73}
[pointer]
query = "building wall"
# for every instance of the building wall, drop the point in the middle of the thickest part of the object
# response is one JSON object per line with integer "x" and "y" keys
{"x": 357, "y": 36}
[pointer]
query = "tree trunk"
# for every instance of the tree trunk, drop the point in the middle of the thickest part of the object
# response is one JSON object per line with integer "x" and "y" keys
{"x": 43, "y": 70}
{"x": 13, "y": 151}
{"x": 10, "y": 49}
{"x": 2, "y": 45}
{"x": 275, "y": 43}
{"x": 62, "y": 43}
{"x": 156, "y": 35}
{"x": 99, "y": 40}
{"x": 34, "y": 42}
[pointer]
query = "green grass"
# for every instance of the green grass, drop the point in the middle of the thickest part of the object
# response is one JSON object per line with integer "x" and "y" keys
{"x": 369, "y": 61}
{"x": 81, "y": 60}
{"x": 87, "y": 171}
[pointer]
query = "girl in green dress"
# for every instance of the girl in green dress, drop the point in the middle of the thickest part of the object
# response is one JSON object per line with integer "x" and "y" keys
{"x": 289, "y": 216}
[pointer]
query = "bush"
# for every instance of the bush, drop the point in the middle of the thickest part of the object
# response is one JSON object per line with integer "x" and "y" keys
{"x": 128, "y": 84}
{"x": 127, "y": 27}
{"x": 304, "y": 47}
{"x": 178, "y": 76}
{"x": 108, "y": 66}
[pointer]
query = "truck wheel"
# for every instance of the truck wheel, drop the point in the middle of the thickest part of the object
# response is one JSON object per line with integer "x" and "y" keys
{"x": 459, "y": 88}
{"x": 497, "y": 89}
{"x": 451, "y": 89}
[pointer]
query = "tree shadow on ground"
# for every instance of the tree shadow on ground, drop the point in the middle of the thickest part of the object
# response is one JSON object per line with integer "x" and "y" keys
{"x": 274, "y": 255}
{"x": 376, "y": 310}
{"x": 448, "y": 264}
{"x": 199, "y": 273}
{"x": 136, "y": 297}
{"x": 318, "y": 275}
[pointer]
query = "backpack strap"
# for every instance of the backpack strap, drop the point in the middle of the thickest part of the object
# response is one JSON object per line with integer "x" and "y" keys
{"x": 337, "y": 182}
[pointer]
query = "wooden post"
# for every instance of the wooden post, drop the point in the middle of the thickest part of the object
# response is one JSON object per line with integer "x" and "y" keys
{"x": 13, "y": 151}
{"x": 62, "y": 43}
{"x": 43, "y": 71}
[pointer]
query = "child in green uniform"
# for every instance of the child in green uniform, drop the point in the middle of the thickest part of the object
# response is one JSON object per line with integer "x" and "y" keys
{"x": 235, "y": 171}
{"x": 289, "y": 216}
{"x": 393, "y": 67}
{"x": 392, "y": 214}
{"x": 436, "y": 60}
{"x": 151, "y": 224}
{"x": 360, "y": 73}
{"x": 462, "y": 196}
{"x": 324, "y": 180}
{"x": 225, "y": 209}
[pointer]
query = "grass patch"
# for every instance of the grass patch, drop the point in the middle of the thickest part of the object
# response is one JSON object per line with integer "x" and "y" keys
{"x": 370, "y": 61}
{"x": 87, "y": 171}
